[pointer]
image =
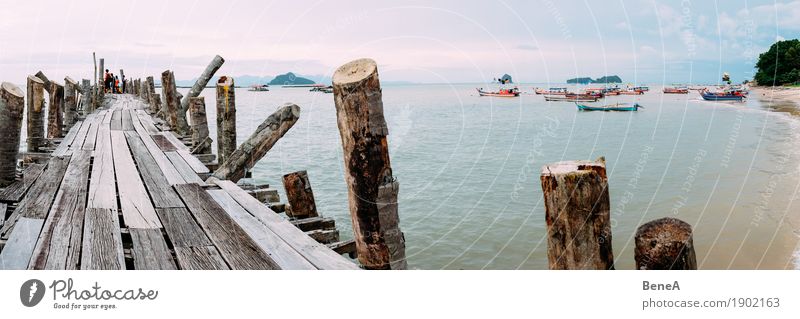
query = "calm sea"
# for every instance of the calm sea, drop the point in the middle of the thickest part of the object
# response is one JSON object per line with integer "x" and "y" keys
{"x": 468, "y": 167}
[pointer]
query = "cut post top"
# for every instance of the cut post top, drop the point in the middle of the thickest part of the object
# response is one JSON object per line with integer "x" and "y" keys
{"x": 667, "y": 228}
{"x": 69, "y": 80}
{"x": 12, "y": 89}
{"x": 575, "y": 167}
{"x": 354, "y": 71}
{"x": 35, "y": 79}
{"x": 225, "y": 81}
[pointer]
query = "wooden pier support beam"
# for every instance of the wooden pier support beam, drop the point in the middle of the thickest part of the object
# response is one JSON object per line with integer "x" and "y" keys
{"x": 47, "y": 85}
{"x": 226, "y": 118}
{"x": 372, "y": 190}
{"x": 151, "y": 94}
{"x": 201, "y": 143}
{"x": 55, "y": 118}
{"x": 70, "y": 102}
{"x": 257, "y": 145}
{"x": 12, "y": 103}
{"x": 101, "y": 84}
{"x": 171, "y": 101}
{"x": 577, "y": 215}
{"x": 86, "y": 97}
{"x": 299, "y": 195}
{"x": 665, "y": 244}
{"x": 202, "y": 81}
{"x": 35, "y": 90}
{"x": 122, "y": 81}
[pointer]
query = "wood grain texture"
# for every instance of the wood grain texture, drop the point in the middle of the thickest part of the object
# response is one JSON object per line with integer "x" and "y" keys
{"x": 14, "y": 192}
{"x": 127, "y": 120}
{"x": 183, "y": 168}
{"x": 102, "y": 185}
{"x": 137, "y": 210}
{"x": 12, "y": 105}
{"x": 19, "y": 247}
{"x": 226, "y": 118}
{"x": 64, "y": 148}
{"x": 200, "y": 258}
{"x": 35, "y": 118}
{"x": 163, "y": 142}
{"x": 300, "y": 195}
{"x": 181, "y": 228}
{"x": 54, "y": 110}
{"x": 150, "y": 251}
{"x": 102, "y": 241}
{"x": 116, "y": 120}
{"x": 665, "y": 244}
{"x": 154, "y": 179}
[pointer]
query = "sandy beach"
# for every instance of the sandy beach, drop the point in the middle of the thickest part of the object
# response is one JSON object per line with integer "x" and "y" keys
{"x": 781, "y": 98}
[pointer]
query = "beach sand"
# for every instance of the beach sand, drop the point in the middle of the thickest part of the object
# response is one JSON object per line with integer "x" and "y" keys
{"x": 780, "y": 98}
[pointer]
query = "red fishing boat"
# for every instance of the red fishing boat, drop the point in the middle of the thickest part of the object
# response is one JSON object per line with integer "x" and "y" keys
{"x": 676, "y": 90}
{"x": 501, "y": 93}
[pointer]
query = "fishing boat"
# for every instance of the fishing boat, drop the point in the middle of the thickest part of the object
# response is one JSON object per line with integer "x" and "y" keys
{"x": 551, "y": 91}
{"x": 323, "y": 89}
{"x": 641, "y": 88}
{"x": 571, "y": 98}
{"x": 631, "y": 92}
{"x": 620, "y": 107}
{"x": 259, "y": 88}
{"x": 676, "y": 90}
{"x": 722, "y": 96}
{"x": 501, "y": 93}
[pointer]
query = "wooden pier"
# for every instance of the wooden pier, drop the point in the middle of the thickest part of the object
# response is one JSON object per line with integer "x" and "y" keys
{"x": 121, "y": 193}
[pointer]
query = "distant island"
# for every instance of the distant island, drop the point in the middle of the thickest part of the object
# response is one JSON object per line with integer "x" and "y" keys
{"x": 605, "y": 79}
{"x": 289, "y": 79}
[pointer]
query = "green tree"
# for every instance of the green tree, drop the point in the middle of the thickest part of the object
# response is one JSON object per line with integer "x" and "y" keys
{"x": 780, "y": 64}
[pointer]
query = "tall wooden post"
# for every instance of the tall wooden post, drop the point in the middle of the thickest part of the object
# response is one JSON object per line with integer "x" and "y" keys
{"x": 54, "y": 115}
{"x": 151, "y": 94}
{"x": 577, "y": 215}
{"x": 258, "y": 144}
{"x": 70, "y": 102}
{"x": 665, "y": 244}
{"x": 12, "y": 102}
{"x": 170, "y": 94}
{"x": 122, "y": 81}
{"x": 372, "y": 190}
{"x": 156, "y": 102}
{"x": 101, "y": 84}
{"x": 47, "y": 85}
{"x": 35, "y": 114}
{"x": 202, "y": 81}
{"x": 201, "y": 143}
{"x": 86, "y": 96}
{"x": 226, "y": 118}
{"x": 299, "y": 195}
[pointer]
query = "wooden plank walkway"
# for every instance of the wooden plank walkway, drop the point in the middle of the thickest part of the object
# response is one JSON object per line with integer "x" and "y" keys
{"x": 119, "y": 193}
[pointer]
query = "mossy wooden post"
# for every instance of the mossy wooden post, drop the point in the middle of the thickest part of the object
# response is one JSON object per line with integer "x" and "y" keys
{"x": 86, "y": 96}
{"x": 201, "y": 143}
{"x": 35, "y": 90}
{"x": 665, "y": 244}
{"x": 372, "y": 190}
{"x": 12, "y": 103}
{"x": 70, "y": 102}
{"x": 299, "y": 195}
{"x": 202, "y": 81}
{"x": 226, "y": 118}
{"x": 170, "y": 94}
{"x": 258, "y": 144}
{"x": 54, "y": 115}
{"x": 577, "y": 215}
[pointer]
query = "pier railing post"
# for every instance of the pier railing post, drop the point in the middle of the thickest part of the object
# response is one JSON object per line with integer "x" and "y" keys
{"x": 54, "y": 115}
{"x": 86, "y": 96}
{"x": 665, "y": 244}
{"x": 12, "y": 103}
{"x": 202, "y": 81}
{"x": 577, "y": 215}
{"x": 372, "y": 190}
{"x": 151, "y": 94}
{"x": 101, "y": 84}
{"x": 35, "y": 90}
{"x": 258, "y": 144}
{"x": 170, "y": 94}
{"x": 70, "y": 101}
{"x": 299, "y": 195}
{"x": 226, "y": 118}
{"x": 201, "y": 143}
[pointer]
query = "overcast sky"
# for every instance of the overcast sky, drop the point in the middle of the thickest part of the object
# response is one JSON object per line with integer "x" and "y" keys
{"x": 420, "y": 41}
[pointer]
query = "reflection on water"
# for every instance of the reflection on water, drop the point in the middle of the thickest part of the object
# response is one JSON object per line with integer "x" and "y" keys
{"x": 469, "y": 166}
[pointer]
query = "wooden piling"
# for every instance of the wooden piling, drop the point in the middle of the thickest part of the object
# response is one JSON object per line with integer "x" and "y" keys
{"x": 257, "y": 145}
{"x": 122, "y": 81}
{"x": 54, "y": 116}
{"x": 35, "y": 90}
{"x": 201, "y": 143}
{"x": 12, "y": 103}
{"x": 372, "y": 190}
{"x": 202, "y": 81}
{"x": 665, "y": 244}
{"x": 169, "y": 92}
{"x": 101, "y": 84}
{"x": 577, "y": 215}
{"x": 226, "y": 118}
{"x": 86, "y": 97}
{"x": 70, "y": 102}
{"x": 299, "y": 195}
{"x": 151, "y": 94}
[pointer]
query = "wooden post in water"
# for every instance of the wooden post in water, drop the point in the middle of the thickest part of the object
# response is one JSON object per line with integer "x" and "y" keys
{"x": 12, "y": 103}
{"x": 226, "y": 118}
{"x": 299, "y": 195}
{"x": 665, "y": 244}
{"x": 577, "y": 215}
{"x": 101, "y": 84}
{"x": 202, "y": 81}
{"x": 151, "y": 94}
{"x": 86, "y": 96}
{"x": 156, "y": 102}
{"x": 257, "y": 145}
{"x": 35, "y": 114}
{"x": 201, "y": 143}
{"x": 54, "y": 115}
{"x": 70, "y": 102}
{"x": 170, "y": 94}
{"x": 372, "y": 190}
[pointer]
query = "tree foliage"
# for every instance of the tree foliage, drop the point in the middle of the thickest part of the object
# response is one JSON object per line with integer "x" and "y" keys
{"x": 780, "y": 64}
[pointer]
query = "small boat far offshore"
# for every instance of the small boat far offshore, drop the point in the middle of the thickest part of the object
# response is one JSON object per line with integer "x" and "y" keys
{"x": 259, "y": 88}
{"x": 502, "y": 93}
{"x": 619, "y": 107}
{"x": 676, "y": 90}
{"x": 571, "y": 98}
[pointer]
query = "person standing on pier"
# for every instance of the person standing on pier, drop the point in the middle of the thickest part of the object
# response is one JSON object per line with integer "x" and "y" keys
{"x": 116, "y": 84}
{"x": 106, "y": 81}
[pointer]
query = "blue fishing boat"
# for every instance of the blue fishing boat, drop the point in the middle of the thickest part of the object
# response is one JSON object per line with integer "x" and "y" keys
{"x": 724, "y": 96}
{"x": 619, "y": 107}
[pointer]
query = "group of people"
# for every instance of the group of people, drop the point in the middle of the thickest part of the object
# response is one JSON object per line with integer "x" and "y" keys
{"x": 111, "y": 83}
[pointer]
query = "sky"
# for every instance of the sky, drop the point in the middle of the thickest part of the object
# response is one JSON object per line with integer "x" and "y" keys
{"x": 417, "y": 41}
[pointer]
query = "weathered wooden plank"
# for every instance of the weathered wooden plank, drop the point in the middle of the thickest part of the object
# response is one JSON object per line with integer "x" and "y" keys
{"x": 164, "y": 164}
{"x": 102, "y": 241}
{"x": 344, "y": 247}
{"x": 65, "y": 147}
{"x": 163, "y": 142}
{"x": 127, "y": 120}
{"x": 235, "y": 246}
{"x": 307, "y": 224}
{"x": 40, "y": 196}
{"x": 150, "y": 251}
{"x": 80, "y": 138}
{"x": 157, "y": 185}
{"x": 147, "y": 122}
{"x": 91, "y": 135}
{"x": 181, "y": 228}
{"x": 14, "y": 192}
{"x": 200, "y": 258}
{"x": 3, "y": 209}
{"x": 325, "y": 236}
{"x": 19, "y": 247}
{"x": 116, "y": 120}
{"x": 318, "y": 254}
{"x": 59, "y": 243}
{"x": 137, "y": 210}
{"x": 102, "y": 186}
{"x": 283, "y": 254}
{"x": 184, "y": 169}
{"x": 196, "y": 165}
